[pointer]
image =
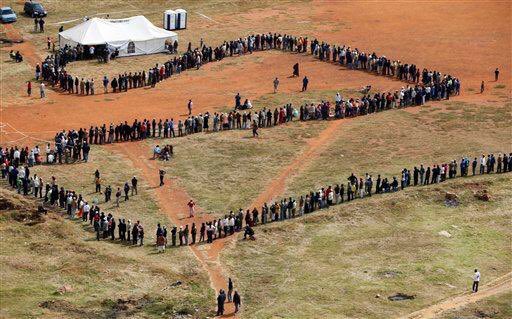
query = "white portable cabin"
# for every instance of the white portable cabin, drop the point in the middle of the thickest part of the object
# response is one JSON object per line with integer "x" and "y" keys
{"x": 170, "y": 20}
{"x": 175, "y": 19}
{"x": 181, "y": 19}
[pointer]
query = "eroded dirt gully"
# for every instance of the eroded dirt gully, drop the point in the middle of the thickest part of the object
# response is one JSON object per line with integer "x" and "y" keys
{"x": 172, "y": 201}
{"x": 498, "y": 286}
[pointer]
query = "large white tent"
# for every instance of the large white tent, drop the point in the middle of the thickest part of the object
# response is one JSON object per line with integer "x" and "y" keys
{"x": 131, "y": 36}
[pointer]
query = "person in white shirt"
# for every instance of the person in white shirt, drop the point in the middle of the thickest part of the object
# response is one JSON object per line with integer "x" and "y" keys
{"x": 483, "y": 161}
{"x": 338, "y": 98}
{"x": 42, "y": 90}
{"x": 476, "y": 280}
{"x": 85, "y": 211}
{"x": 156, "y": 151}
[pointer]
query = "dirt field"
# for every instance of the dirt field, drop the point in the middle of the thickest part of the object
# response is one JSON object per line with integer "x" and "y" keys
{"x": 467, "y": 39}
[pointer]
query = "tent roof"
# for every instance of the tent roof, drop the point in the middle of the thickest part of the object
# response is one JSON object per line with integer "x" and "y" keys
{"x": 100, "y": 31}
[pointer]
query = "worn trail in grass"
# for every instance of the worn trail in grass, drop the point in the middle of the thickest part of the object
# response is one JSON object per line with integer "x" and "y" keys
{"x": 172, "y": 199}
{"x": 277, "y": 185}
{"x": 500, "y": 285}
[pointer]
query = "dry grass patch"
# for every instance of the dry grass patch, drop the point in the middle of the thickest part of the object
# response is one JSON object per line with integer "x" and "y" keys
{"x": 52, "y": 269}
{"x": 385, "y": 143}
{"x": 496, "y": 307}
{"x": 346, "y": 261}
{"x": 226, "y": 170}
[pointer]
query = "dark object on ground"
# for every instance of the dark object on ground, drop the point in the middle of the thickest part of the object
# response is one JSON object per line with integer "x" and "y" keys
{"x": 400, "y": 296}
{"x": 483, "y": 195}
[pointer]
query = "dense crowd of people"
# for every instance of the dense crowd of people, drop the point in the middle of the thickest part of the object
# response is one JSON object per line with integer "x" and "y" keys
{"x": 104, "y": 224}
{"x": 67, "y": 147}
{"x": 423, "y": 85}
{"x": 324, "y": 197}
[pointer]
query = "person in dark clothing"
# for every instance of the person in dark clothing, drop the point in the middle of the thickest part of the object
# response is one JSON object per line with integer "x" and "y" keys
{"x": 496, "y": 74}
{"x": 134, "y": 185}
{"x": 173, "y": 235}
{"x": 126, "y": 190}
{"x": 237, "y": 301}
{"x": 161, "y": 174}
{"x": 221, "y": 299}
{"x": 230, "y": 290}
{"x": 135, "y": 233}
{"x": 193, "y": 232}
{"x": 305, "y": 82}
{"x": 295, "y": 70}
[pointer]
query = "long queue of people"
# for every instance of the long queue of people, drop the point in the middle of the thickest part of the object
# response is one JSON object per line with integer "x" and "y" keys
{"x": 75, "y": 205}
{"x": 355, "y": 187}
{"x": 105, "y": 225}
{"x": 67, "y": 147}
{"x": 426, "y": 82}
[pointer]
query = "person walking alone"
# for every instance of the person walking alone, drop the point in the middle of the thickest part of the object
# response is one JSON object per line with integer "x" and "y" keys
{"x": 191, "y": 208}
{"x": 476, "y": 280}
{"x": 254, "y": 129}
{"x": 189, "y": 106}
{"x": 496, "y": 74}
{"x": 161, "y": 174}
{"x": 42, "y": 90}
{"x": 276, "y": 84}
{"x": 305, "y": 82}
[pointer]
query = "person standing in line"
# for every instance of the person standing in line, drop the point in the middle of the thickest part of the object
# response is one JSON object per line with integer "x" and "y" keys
{"x": 476, "y": 280}
{"x": 496, "y": 74}
{"x": 237, "y": 301}
{"x": 276, "y": 84}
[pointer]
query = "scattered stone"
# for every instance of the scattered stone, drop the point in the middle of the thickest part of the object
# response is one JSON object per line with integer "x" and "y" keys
{"x": 451, "y": 196}
{"x": 377, "y": 296}
{"x": 483, "y": 314}
{"x": 177, "y": 283}
{"x": 401, "y": 296}
{"x": 65, "y": 289}
{"x": 482, "y": 195}
{"x": 444, "y": 233}
{"x": 391, "y": 273}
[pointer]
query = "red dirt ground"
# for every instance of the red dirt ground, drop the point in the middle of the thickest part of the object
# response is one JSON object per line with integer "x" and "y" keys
{"x": 449, "y": 37}
{"x": 467, "y": 39}
{"x": 172, "y": 201}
